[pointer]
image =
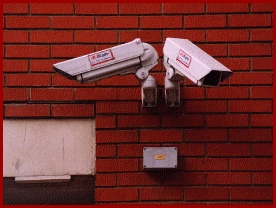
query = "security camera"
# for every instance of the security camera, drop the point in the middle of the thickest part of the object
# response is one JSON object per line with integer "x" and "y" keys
{"x": 134, "y": 57}
{"x": 182, "y": 58}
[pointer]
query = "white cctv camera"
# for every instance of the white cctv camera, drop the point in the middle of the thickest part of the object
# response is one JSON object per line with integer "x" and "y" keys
{"x": 133, "y": 57}
{"x": 182, "y": 58}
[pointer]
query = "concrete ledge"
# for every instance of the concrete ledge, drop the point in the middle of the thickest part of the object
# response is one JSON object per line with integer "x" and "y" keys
{"x": 42, "y": 179}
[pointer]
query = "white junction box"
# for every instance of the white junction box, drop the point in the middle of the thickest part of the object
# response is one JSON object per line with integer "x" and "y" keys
{"x": 160, "y": 157}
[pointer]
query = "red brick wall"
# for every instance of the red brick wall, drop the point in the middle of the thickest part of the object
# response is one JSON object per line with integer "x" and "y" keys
{"x": 224, "y": 135}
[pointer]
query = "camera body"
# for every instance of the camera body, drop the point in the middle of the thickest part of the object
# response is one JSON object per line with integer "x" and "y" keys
{"x": 133, "y": 57}
{"x": 182, "y": 58}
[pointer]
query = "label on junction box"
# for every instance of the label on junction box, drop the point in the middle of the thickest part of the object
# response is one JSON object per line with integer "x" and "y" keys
{"x": 100, "y": 57}
{"x": 160, "y": 157}
{"x": 184, "y": 58}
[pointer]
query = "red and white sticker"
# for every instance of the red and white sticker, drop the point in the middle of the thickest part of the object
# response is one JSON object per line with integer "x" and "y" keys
{"x": 184, "y": 58}
{"x": 100, "y": 57}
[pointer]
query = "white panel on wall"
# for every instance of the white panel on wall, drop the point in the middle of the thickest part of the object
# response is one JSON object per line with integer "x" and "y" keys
{"x": 48, "y": 147}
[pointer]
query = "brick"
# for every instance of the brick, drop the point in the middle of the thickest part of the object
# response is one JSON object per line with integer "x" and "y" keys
{"x": 235, "y": 63}
{"x": 96, "y": 8}
{"x": 95, "y": 36}
{"x": 132, "y": 150}
{"x": 251, "y": 78}
{"x": 183, "y": 178}
{"x": 260, "y": 63}
{"x": 140, "y": 8}
{"x": 52, "y": 8}
{"x": 116, "y": 194}
{"x": 230, "y": 178}
{"x": 207, "y": 193}
{"x": 43, "y": 65}
{"x": 249, "y": 20}
{"x": 117, "y": 22}
{"x": 116, "y": 136}
{"x": 105, "y": 121}
{"x": 96, "y": 94}
{"x": 59, "y": 80}
{"x": 229, "y": 150}
{"x": 262, "y": 7}
{"x": 203, "y": 164}
{"x": 251, "y": 193}
{"x": 261, "y": 178}
{"x": 262, "y": 149}
{"x": 117, "y": 107}
{"x": 105, "y": 151}
{"x": 73, "y": 110}
{"x": 262, "y": 35}
{"x": 51, "y": 36}
{"x": 191, "y": 93}
{"x": 51, "y": 94}
{"x": 137, "y": 179}
{"x": 27, "y": 22}
{"x": 182, "y": 120}
{"x": 227, "y": 35}
{"x": 205, "y": 106}
{"x": 227, "y": 8}
{"x": 25, "y": 110}
{"x": 126, "y": 80}
{"x": 214, "y": 49}
{"x": 145, "y": 35}
{"x": 228, "y": 120}
{"x": 159, "y": 66}
{"x": 105, "y": 179}
{"x": 250, "y": 49}
{"x": 27, "y": 51}
{"x": 262, "y": 120}
{"x": 227, "y": 92}
{"x": 116, "y": 165}
{"x": 192, "y": 35}
{"x": 205, "y": 21}
{"x": 15, "y": 8}
{"x": 250, "y": 106}
{"x": 206, "y": 135}
{"x": 251, "y": 164}
{"x": 186, "y": 8}
{"x": 189, "y": 149}
{"x": 161, "y": 193}
{"x": 10, "y": 65}
{"x": 161, "y": 22}
{"x": 158, "y": 48}
{"x": 28, "y": 80}
{"x": 15, "y": 36}
{"x": 73, "y": 22}
{"x": 138, "y": 121}
{"x": 70, "y": 51}
{"x": 250, "y": 135}
{"x": 15, "y": 94}
{"x": 103, "y": 47}
{"x": 161, "y": 135}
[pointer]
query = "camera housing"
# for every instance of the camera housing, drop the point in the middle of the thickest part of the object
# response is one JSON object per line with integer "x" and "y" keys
{"x": 133, "y": 57}
{"x": 182, "y": 58}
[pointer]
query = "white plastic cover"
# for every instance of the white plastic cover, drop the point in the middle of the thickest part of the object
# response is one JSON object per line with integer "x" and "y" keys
{"x": 100, "y": 59}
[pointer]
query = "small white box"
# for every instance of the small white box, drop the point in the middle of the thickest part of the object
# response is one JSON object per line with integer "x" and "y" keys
{"x": 160, "y": 157}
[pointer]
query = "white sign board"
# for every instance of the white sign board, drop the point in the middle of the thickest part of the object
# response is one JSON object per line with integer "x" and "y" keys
{"x": 48, "y": 147}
